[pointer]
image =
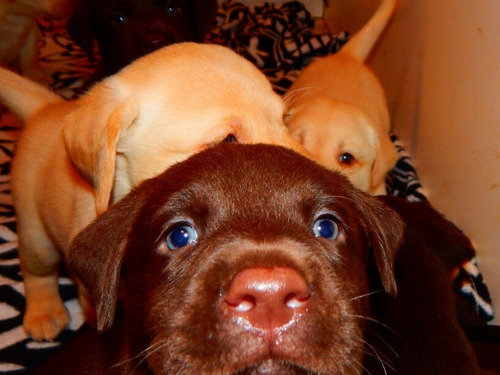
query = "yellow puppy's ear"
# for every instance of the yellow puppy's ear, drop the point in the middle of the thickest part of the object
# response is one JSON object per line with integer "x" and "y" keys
{"x": 385, "y": 161}
{"x": 90, "y": 135}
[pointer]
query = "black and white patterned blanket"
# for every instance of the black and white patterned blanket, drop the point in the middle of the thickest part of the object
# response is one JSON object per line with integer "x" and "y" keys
{"x": 279, "y": 40}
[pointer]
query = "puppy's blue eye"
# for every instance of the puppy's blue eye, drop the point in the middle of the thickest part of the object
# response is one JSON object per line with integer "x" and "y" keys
{"x": 180, "y": 236}
{"x": 326, "y": 228}
{"x": 346, "y": 158}
{"x": 173, "y": 9}
{"x": 119, "y": 18}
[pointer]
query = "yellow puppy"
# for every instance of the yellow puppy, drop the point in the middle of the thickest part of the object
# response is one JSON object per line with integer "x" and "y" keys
{"x": 76, "y": 157}
{"x": 338, "y": 110}
{"x": 19, "y": 34}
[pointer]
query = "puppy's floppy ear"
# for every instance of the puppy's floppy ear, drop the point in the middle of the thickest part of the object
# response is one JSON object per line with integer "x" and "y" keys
{"x": 96, "y": 254}
{"x": 384, "y": 228}
{"x": 385, "y": 160}
{"x": 91, "y": 135}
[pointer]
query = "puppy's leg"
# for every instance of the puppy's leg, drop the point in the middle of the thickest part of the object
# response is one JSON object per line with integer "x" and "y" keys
{"x": 45, "y": 314}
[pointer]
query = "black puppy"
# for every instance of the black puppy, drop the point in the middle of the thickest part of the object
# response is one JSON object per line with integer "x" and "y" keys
{"x": 127, "y": 29}
{"x": 252, "y": 259}
{"x": 423, "y": 318}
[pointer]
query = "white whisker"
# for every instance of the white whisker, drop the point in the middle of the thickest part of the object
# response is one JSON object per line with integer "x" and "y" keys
{"x": 374, "y": 321}
{"x": 366, "y": 295}
{"x": 291, "y": 96}
{"x": 159, "y": 344}
{"x": 382, "y": 362}
{"x": 365, "y": 370}
{"x": 151, "y": 351}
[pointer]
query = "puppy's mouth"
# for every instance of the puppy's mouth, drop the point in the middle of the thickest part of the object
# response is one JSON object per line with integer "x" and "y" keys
{"x": 274, "y": 367}
{"x": 152, "y": 40}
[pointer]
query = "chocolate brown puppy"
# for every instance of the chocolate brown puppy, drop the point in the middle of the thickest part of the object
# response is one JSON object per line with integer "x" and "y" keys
{"x": 128, "y": 29}
{"x": 247, "y": 259}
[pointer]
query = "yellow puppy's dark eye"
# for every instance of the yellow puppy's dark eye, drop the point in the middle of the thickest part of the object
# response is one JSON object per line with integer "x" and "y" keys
{"x": 230, "y": 138}
{"x": 346, "y": 158}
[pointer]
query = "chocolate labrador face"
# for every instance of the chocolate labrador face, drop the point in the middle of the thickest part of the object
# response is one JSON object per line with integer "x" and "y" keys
{"x": 240, "y": 260}
{"x": 128, "y": 29}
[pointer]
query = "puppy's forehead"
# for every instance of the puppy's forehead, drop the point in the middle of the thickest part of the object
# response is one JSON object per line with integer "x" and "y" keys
{"x": 250, "y": 178}
{"x": 184, "y": 65}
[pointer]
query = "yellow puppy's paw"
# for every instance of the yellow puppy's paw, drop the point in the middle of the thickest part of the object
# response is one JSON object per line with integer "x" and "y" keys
{"x": 45, "y": 323}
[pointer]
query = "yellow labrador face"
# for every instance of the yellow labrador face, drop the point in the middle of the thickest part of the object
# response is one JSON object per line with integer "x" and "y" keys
{"x": 338, "y": 135}
{"x": 188, "y": 98}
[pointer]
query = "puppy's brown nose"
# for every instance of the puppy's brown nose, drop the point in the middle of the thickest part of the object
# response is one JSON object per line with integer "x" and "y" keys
{"x": 268, "y": 298}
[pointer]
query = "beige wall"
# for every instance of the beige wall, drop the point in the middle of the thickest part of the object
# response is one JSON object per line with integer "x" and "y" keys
{"x": 440, "y": 65}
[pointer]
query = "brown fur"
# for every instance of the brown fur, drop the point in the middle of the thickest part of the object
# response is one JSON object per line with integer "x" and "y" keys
{"x": 252, "y": 207}
{"x": 255, "y": 206}
{"x": 423, "y": 318}
{"x": 126, "y": 30}
{"x": 76, "y": 157}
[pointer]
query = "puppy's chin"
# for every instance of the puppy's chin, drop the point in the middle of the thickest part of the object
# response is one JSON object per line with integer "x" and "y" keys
{"x": 274, "y": 367}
